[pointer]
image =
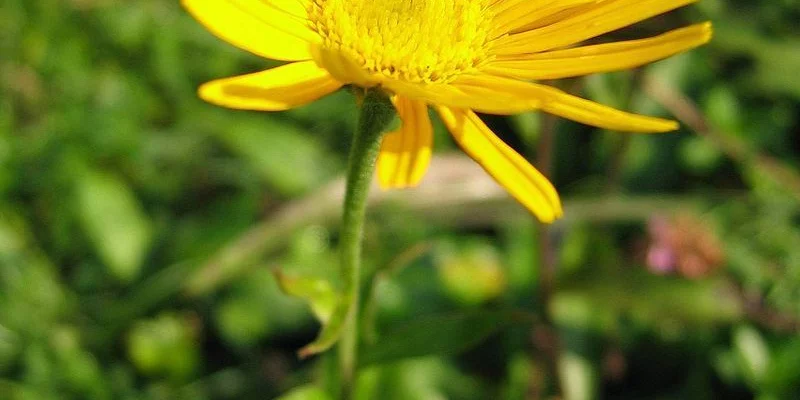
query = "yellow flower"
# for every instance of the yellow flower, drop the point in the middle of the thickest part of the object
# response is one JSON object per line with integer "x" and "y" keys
{"x": 459, "y": 56}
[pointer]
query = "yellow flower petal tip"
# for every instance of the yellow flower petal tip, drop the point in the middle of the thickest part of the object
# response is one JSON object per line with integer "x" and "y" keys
{"x": 674, "y": 126}
{"x": 458, "y": 55}
{"x": 660, "y": 126}
{"x": 708, "y": 31}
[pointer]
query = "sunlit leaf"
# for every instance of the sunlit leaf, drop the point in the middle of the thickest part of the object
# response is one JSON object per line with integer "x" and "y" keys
{"x": 318, "y": 293}
{"x": 115, "y": 222}
{"x": 285, "y": 156}
{"x": 752, "y": 353}
{"x": 578, "y": 377}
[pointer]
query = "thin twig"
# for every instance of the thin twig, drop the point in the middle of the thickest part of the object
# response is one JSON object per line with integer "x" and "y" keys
{"x": 547, "y": 261}
{"x": 623, "y": 141}
{"x": 546, "y": 335}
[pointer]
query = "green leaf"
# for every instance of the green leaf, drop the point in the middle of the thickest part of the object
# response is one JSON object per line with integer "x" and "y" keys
{"x": 578, "y": 377}
{"x": 441, "y": 335}
{"x": 165, "y": 345}
{"x": 700, "y": 155}
{"x": 307, "y": 392}
{"x": 241, "y": 322}
{"x": 332, "y": 330}
{"x": 470, "y": 271}
{"x": 752, "y": 352}
{"x": 318, "y": 293}
{"x": 521, "y": 371}
{"x": 283, "y": 154}
{"x": 115, "y": 222}
{"x": 13, "y": 233}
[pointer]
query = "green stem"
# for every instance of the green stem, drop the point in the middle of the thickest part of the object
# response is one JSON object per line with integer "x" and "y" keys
{"x": 376, "y": 114}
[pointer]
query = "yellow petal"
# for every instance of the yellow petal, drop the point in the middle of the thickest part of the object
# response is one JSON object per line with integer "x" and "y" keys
{"x": 296, "y": 8}
{"x": 256, "y": 26}
{"x": 600, "y": 58}
{"x": 594, "y": 114}
{"x": 510, "y": 15}
{"x": 545, "y": 19}
{"x": 506, "y": 166}
{"x": 342, "y": 67}
{"x": 482, "y": 99}
{"x": 276, "y": 89}
{"x": 406, "y": 152}
{"x": 554, "y": 101}
{"x": 592, "y": 21}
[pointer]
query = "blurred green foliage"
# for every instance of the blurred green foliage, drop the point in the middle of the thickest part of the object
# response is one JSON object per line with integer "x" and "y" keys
{"x": 118, "y": 187}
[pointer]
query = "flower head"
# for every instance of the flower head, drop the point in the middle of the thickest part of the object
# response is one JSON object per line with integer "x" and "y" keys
{"x": 458, "y": 56}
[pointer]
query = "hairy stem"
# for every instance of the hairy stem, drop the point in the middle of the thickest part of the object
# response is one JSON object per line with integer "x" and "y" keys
{"x": 376, "y": 114}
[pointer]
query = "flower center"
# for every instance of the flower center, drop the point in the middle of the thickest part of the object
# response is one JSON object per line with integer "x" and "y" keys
{"x": 411, "y": 40}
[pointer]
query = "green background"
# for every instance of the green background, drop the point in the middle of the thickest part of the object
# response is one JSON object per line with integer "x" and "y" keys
{"x": 141, "y": 230}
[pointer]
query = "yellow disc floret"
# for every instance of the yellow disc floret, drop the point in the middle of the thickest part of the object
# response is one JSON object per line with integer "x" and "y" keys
{"x": 411, "y": 40}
